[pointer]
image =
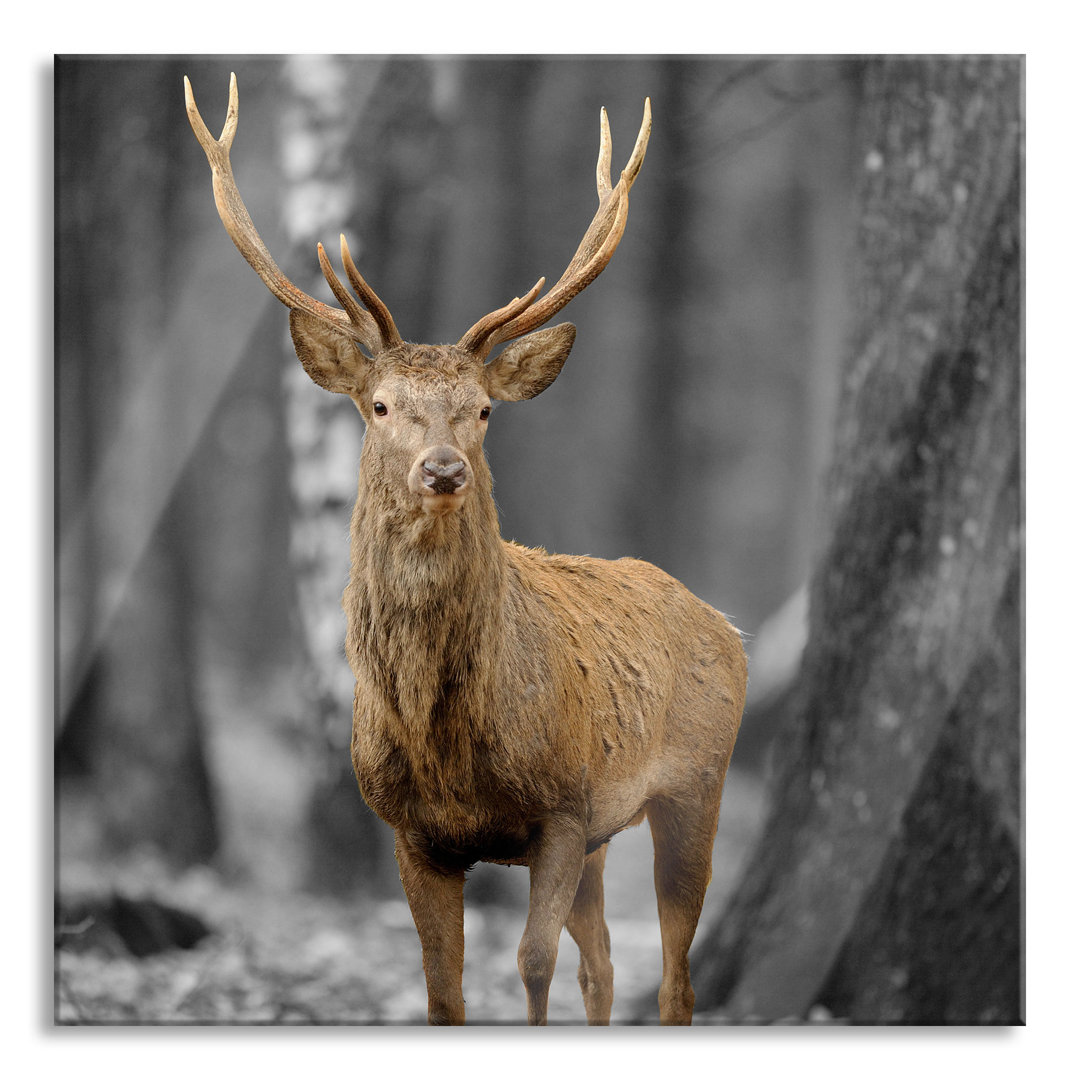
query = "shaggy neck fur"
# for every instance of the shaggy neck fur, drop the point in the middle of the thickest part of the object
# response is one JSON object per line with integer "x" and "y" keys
{"x": 425, "y": 612}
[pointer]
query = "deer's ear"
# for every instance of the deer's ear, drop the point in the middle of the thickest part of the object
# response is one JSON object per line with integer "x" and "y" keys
{"x": 529, "y": 365}
{"x": 332, "y": 360}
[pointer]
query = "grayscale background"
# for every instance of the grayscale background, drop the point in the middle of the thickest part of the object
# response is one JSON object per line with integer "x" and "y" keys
{"x": 204, "y": 484}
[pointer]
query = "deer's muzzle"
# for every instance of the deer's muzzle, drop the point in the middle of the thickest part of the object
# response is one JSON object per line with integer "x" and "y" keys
{"x": 439, "y": 474}
{"x": 443, "y": 479}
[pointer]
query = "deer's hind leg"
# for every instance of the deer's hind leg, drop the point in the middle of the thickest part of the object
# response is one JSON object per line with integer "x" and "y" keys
{"x": 588, "y": 929}
{"x": 683, "y": 834}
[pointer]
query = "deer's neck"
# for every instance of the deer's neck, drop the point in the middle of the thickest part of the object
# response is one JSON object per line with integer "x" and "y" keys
{"x": 424, "y": 606}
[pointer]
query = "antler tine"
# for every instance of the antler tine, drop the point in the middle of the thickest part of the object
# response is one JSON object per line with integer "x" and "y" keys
{"x": 603, "y": 162}
{"x": 355, "y": 312}
{"x": 379, "y": 311}
{"x": 637, "y": 156}
{"x": 354, "y": 321}
{"x": 593, "y": 253}
{"x": 213, "y": 147}
{"x": 475, "y": 336}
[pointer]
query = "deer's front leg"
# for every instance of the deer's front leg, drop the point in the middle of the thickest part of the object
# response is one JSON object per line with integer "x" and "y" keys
{"x": 437, "y": 903}
{"x": 555, "y": 865}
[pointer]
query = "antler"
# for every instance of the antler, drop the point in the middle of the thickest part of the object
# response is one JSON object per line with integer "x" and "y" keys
{"x": 593, "y": 254}
{"x": 373, "y": 328}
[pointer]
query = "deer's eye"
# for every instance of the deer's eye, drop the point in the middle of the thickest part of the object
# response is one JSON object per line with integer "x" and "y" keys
{"x": 379, "y": 409}
{"x": 485, "y": 412}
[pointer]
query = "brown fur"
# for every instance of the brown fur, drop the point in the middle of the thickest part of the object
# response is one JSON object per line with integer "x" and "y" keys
{"x": 510, "y": 706}
{"x": 500, "y": 690}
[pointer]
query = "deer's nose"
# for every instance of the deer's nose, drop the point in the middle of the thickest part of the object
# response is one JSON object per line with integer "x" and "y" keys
{"x": 443, "y": 471}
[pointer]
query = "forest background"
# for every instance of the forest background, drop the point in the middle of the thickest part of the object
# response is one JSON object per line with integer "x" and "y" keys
{"x": 545, "y": 436}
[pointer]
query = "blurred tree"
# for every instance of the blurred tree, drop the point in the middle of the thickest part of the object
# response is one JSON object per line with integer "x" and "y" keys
{"x": 362, "y": 143}
{"x": 887, "y": 882}
{"x": 131, "y": 729}
{"x": 458, "y": 181}
{"x": 324, "y": 101}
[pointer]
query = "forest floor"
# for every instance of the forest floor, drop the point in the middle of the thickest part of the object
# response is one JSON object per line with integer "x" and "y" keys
{"x": 294, "y": 959}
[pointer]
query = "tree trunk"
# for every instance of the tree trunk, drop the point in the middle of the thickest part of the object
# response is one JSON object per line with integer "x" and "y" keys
{"x": 325, "y": 435}
{"x": 887, "y": 883}
{"x": 132, "y": 731}
{"x": 354, "y": 133}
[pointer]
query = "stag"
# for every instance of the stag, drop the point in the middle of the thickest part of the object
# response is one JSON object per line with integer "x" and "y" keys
{"x": 511, "y": 706}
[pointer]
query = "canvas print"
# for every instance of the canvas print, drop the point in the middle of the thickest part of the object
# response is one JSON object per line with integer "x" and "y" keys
{"x": 539, "y": 540}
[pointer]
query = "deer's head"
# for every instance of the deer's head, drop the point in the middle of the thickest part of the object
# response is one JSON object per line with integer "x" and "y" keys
{"x": 426, "y": 407}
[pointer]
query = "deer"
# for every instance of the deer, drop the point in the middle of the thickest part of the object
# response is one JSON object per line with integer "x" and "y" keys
{"x": 511, "y": 706}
